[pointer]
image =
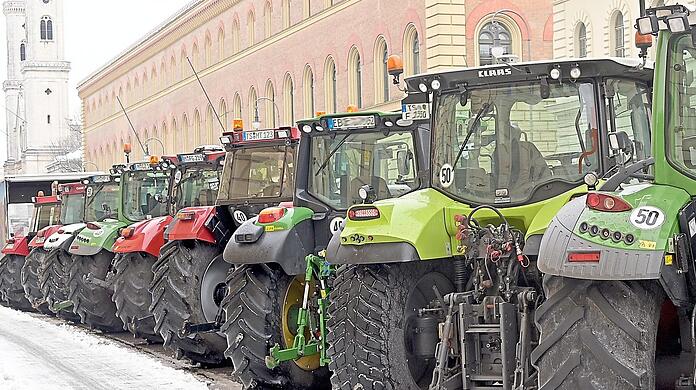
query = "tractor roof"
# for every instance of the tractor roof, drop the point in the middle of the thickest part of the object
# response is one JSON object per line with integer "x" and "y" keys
{"x": 71, "y": 189}
{"x": 528, "y": 71}
{"x": 364, "y": 120}
{"x": 44, "y": 200}
{"x": 235, "y": 139}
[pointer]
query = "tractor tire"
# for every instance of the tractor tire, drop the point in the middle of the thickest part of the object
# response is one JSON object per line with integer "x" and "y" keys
{"x": 132, "y": 275}
{"x": 53, "y": 279}
{"x": 178, "y": 298}
{"x": 11, "y": 283}
{"x": 597, "y": 334}
{"x": 254, "y": 306}
{"x": 370, "y": 323}
{"x": 92, "y": 302}
{"x": 30, "y": 280}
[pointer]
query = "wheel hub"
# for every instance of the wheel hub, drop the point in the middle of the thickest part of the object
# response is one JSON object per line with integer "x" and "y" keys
{"x": 292, "y": 303}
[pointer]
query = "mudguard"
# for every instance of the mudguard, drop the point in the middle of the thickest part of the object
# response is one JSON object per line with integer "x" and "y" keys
{"x": 191, "y": 229}
{"x": 89, "y": 242}
{"x": 17, "y": 246}
{"x": 147, "y": 237}
{"x": 285, "y": 242}
{"x": 63, "y": 237}
{"x": 42, "y": 236}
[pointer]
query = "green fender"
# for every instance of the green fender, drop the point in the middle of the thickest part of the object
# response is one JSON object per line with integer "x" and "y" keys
{"x": 90, "y": 242}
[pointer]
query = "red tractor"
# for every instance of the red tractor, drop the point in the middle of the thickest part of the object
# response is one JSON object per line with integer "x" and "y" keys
{"x": 194, "y": 183}
{"x": 71, "y": 197}
{"x": 190, "y": 274}
{"x": 46, "y": 213}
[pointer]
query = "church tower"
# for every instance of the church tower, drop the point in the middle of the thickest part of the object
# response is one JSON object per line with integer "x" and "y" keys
{"x": 14, "y": 12}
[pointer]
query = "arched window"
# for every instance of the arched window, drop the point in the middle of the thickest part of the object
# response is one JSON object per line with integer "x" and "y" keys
{"x": 164, "y": 137}
{"x": 172, "y": 70}
{"x": 286, "y": 13}
{"x": 221, "y": 44}
{"x": 581, "y": 40}
{"x": 381, "y": 55}
{"x": 194, "y": 57}
{"x": 306, "y": 9}
{"x": 235, "y": 37}
{"x": 493, "y": 35}
{"x": 354, "y": 77}
{"x": 308, "y": 89}
{"x": 270, "y": 114}
{"x": 411, "y": 51}
{"x": 267, "y": 20}
{"x": 208, "y": 51}
{"x": 196, "y": 129}
{"x": 288, "y": 100}
{"x": 330, "y": 85}
{"x": 618, "y": 34}
{"x": 184, "y": 64}
{"x": 153, "y": 80}
{"x": 223, "y": 118}
{"x": 184, "y": 133}
{"x": 46, "y": 28}
{"x": 22, "y": 51}
{"x": 237, "y": 106}
{"x": 172, "y": 138}
{"x": 163, "y": 75}
{"x": 253, "y": 97}
{"x": 210, "y": 123}
{"x": 251, "y": 28}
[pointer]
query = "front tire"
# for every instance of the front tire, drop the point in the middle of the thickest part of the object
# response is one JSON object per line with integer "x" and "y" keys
{"x": 92, "y": 302}
{"x": 53, "y": 279}
{"x": 597, "y": 334}
{"x": 11, "y": 282}
{"x": 254, "y": 309}
{"x": 183, "y": 291}
{"x": 132, "y": 275}
{"x": 370, "y": 324}
{"x": 30, "y": 280}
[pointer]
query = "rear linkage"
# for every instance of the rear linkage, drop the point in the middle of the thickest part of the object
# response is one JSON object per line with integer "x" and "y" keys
{"x": 486, "y": 337}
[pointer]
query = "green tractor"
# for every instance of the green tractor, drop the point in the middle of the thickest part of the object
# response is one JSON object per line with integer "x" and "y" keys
{"x": 511, "y": 145}
{"x": 143, "y": 195}
{"x": 619, "y": 264}
{"x": 277, "y": 290}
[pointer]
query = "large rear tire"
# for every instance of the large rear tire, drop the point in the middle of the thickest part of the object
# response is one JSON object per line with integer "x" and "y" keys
{"x": 371, "y": 328}
{"x": 184, "y": 290}
{"x": 92, "y": 302}
{"x": 132, "y": 275}
{"x": 597, "y": 334}
{"x": 11, "y": 282}
{"x": 30, "y": 280}
{"x": 53, "y": 279}
{"x": 254, "y": 305}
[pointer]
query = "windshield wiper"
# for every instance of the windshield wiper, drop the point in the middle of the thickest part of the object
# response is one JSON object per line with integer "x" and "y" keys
{"x": 333, "y": 151}
{"x": 474, "y": 125}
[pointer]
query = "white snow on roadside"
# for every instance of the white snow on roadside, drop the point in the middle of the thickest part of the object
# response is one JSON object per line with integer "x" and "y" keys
{"x": 36, "y": 354}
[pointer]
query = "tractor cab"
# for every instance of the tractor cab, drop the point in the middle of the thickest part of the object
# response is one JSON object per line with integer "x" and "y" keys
{"x": 72, "y": 203}
{"x": 102, "y": 197}
{"x": 46, "y": 213}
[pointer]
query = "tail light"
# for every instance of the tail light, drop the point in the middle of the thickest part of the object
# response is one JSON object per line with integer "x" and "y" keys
{"x": 271, "y": 214}
{"x": 61, "y": 231}
{"x": 92, "y": 226}
{"x": 185, "y": 215}
{"x": 604, "y": 202}
{"x": 127, "y": 232}
{"x": 583, "y": 257}
{"x": 363, "y": 213}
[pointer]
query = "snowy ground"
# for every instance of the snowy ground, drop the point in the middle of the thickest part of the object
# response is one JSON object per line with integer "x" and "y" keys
{"x": 36, "y": 353}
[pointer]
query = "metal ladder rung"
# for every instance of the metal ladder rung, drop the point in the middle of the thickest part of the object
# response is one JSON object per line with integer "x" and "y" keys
{"x": 488, "y": 328}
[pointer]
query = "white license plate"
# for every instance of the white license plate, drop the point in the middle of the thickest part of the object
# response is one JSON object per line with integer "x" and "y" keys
{"x": 352, "y": 122}
{"x": 257, "y": 135}
{"x": 416, "y": 111}
{"x": 191, "y": 158}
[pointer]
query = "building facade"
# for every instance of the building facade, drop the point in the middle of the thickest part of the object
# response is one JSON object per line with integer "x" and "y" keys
{"x": 289, "y": 58}
{"x": 36, "y": 87}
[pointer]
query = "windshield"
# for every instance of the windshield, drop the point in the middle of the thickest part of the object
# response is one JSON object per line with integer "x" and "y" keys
{"x": 515, "y": 140}
{"x": 384, "y": 161}
{"x": 45, "y": 215}
{"x": 632, "y": 109}
{"x": 681, "y": 119}
{"x": 72, "y": 208}
{"x": 261, "y": 172}
{"x": 196, "y": 186}
{"x": 144, "y": 194}
{"x": 102, "y": 201}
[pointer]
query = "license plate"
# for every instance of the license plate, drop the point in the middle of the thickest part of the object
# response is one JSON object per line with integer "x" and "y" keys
{"x": 141, "y": 167}
{"x": 257, "y": 135}
{"x": 352, "y": 122}
{"x": 415, "y": 111}
{"x": 191, "y": 158}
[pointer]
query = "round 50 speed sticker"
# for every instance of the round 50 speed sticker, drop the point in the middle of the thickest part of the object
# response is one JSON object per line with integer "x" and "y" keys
{"x": 446, "y": 175}
{"x": 647, "y": 217}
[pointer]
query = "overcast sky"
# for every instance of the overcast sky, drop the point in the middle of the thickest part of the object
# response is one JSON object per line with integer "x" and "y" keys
{"x": 95, "y": 32}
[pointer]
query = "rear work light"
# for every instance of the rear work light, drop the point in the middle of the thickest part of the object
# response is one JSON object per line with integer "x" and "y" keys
{"x": 603, "y": 202}
{"x": 583, "y": 257}
{"x": 363, "y": 213}
{"x": 127, "y": 232}
{"x": 271, "y": 214}
{"x": 185, "y": 215}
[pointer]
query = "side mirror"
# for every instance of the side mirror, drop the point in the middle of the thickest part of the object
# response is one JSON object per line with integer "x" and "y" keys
{"x": 403, "y": 159}
{"x": 105, "y": 207}
{"x": 161, "y": 198}
{"x": 689, "y": 151}
{"x": 619, "y": 141}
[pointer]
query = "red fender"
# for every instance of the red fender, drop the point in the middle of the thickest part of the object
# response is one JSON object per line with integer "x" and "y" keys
{"x": 189, "y": 224}
{"x": 16, "y": 246}
{"x": 42, "y": 235}
{"x": 146, "y": 236}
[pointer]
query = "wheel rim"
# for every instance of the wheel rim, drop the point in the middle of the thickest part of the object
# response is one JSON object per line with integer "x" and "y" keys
{"x": 418, "y": 297}
{"x": 213, "y": 287}
{"x": 292, "y": 302}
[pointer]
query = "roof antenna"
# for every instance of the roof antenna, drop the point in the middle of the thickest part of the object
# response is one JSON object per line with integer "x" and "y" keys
{"x": 206, "y": 94}
{"x": 144, "y": 147}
